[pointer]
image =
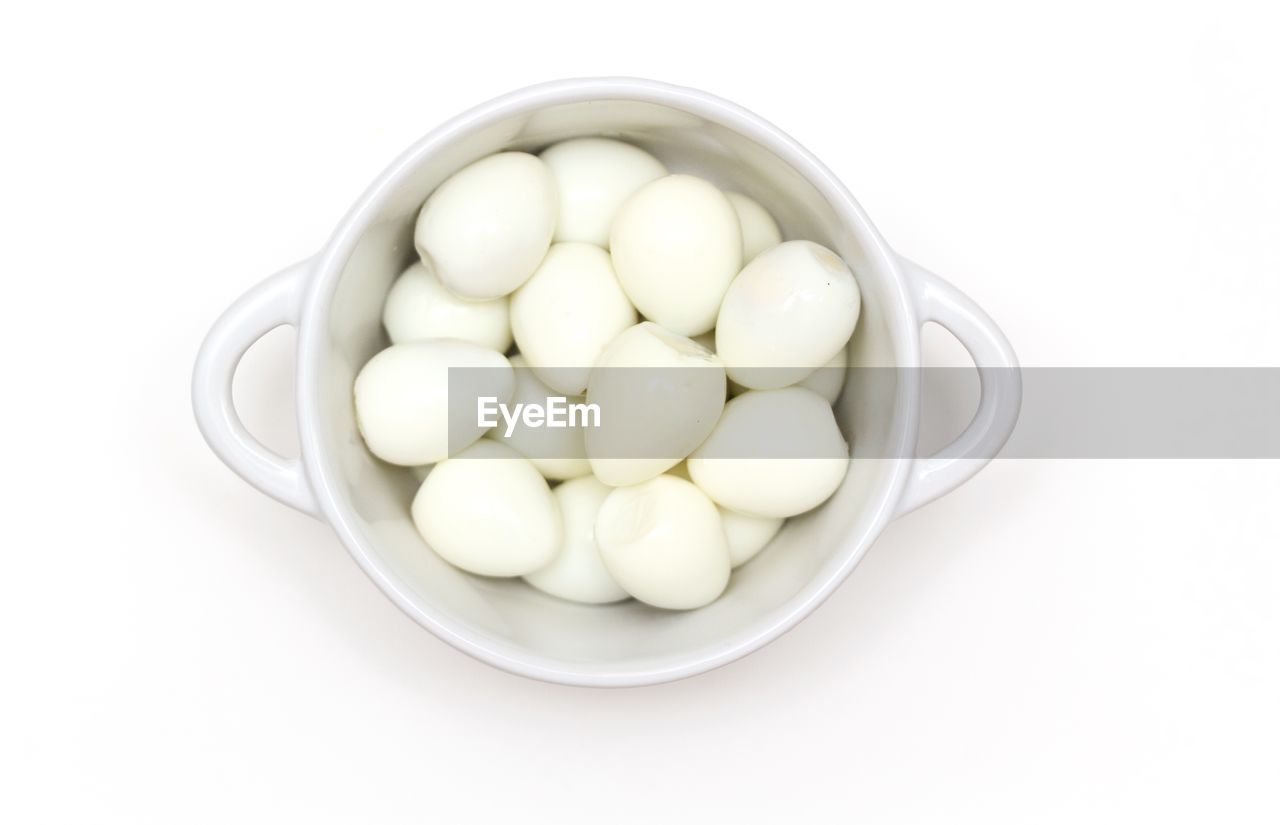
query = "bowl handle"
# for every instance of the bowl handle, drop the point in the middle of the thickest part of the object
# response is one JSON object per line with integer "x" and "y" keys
{"x": 936, "y": 475}
{"x": 272, "y": 303}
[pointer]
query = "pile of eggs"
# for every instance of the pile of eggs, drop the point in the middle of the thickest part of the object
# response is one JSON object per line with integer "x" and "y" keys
{"x": 588, "y": 257}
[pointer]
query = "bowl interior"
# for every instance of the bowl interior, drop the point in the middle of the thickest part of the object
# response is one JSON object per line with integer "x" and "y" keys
{"x": 515, "y": 625}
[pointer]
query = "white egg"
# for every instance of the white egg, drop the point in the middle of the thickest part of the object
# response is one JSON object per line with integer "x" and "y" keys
{"x": 759, "y": 230}
{"x": 774, "y": 453}
{"x": 565, "y": 315}
{"x": 787, "y": 313}
{"x": 659, "y": 395}
{"x": 676, "y": 246}
{"x": 828, "y": 379}
{"x": 662, "y": 541}
{"x": 577, "y": 573}
{"x": 484, "y": 230}
{"x": 488, "y": 511}
{"x": 593, "y": 177}
{"x": 747, "y": 535}
{"x": 419, "y": 307}
{"x": 557, "y": 452}
{"x": 403, "y": 403}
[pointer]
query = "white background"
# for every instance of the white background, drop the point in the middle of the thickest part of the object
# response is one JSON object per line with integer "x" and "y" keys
{"x": 1054, "y": 642}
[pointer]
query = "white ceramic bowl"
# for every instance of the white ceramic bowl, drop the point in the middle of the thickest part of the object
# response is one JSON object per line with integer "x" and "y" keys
{"x": 335, "y": 299}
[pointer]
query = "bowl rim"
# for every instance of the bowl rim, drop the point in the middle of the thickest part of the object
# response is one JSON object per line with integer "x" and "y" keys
{"x": 321, "y": 286}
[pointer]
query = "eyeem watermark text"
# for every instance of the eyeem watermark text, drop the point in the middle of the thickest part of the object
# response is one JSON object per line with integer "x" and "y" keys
{"x": 557, "y": 413}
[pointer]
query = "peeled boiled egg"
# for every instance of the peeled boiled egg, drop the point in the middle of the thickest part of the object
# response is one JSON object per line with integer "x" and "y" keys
{"x": 788, "y": 312}
{"x": 828, "y": 379}
{"x": 659, "y": 395}
{"x": 489, "y": 511}
{"x": 663, "y": 543}
{"x": 577, "y": 573}
{"x": 759, "y": 231}
{"x": 403, "y": 404}
{"x": 593, "y": 177}
{"x": 747, "y": 535}
{"x": 557, "y": 452}
{"x": 676, "y": 245}
{"x": 565, "y": 315}
{"x": 484, "y": 230}
{"x": 419, "y": 307}
{"x": 773, "y": 453}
